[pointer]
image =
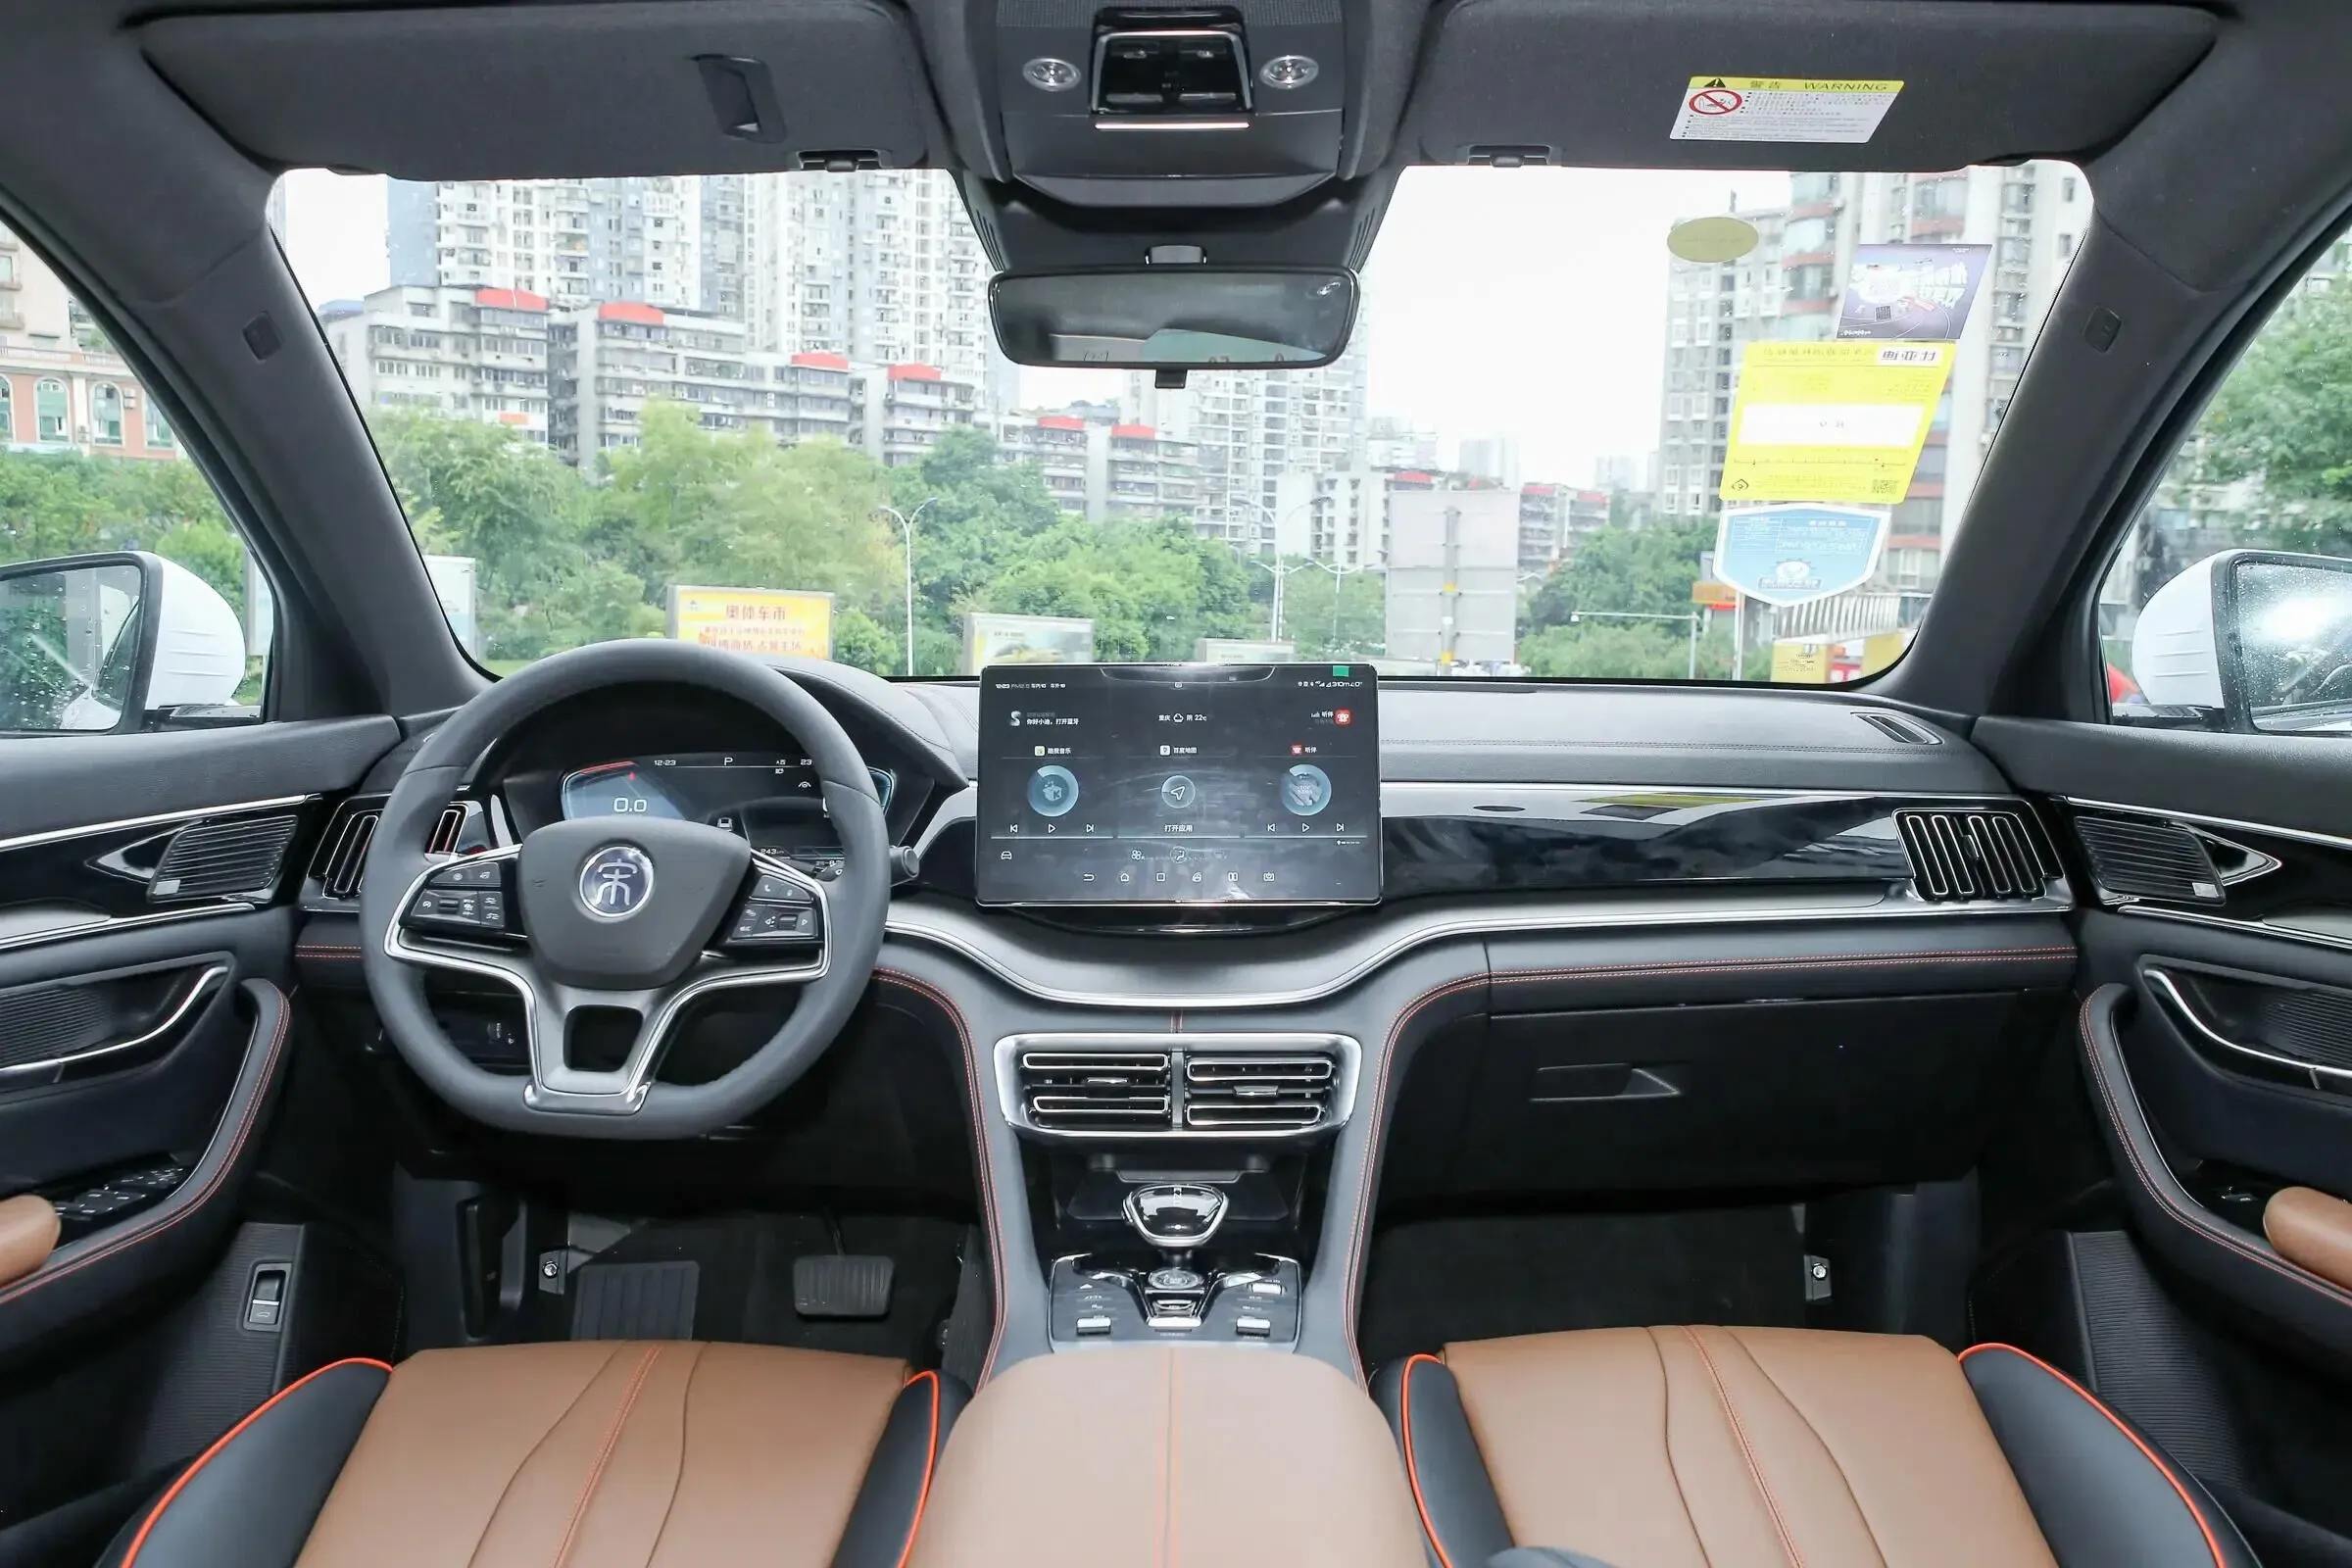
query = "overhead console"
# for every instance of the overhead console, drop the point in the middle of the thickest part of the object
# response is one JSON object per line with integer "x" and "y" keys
{"x": 1227, "y": 105}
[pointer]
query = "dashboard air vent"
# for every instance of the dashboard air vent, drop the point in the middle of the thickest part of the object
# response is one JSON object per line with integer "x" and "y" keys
{"x": 1895, "y": 726}
{"x": 342, "y": 864}
{"x": 1256, "y": 1093}
{"x": 214, "y": 860}
{"x": 1959, "y": 854}
{"x": 1096, "y": 1091}
{"x": 2149, "y": 860}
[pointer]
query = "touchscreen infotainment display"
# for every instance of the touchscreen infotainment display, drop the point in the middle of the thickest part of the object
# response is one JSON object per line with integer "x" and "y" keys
{"x": 1178, "y": 784}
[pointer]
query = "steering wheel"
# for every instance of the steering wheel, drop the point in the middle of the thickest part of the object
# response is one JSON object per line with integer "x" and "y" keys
{"x": 634, "y": 914}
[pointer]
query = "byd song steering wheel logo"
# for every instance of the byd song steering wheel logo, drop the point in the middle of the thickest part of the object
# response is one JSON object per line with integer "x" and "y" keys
{"x": 616, "y": 882}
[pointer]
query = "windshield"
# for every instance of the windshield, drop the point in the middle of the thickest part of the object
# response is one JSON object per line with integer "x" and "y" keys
{"x": 1592, "y": 423}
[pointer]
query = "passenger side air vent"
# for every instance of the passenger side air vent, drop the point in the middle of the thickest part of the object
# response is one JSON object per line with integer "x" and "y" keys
{"x": 1256, "y": 1093}
{"x": 342, "y": 863}
{"x": 2149, "y": 860}
{"x": 214, "y": 860}
{"x": 1960, "y": 853}
{"x": 1096, "y": 1091}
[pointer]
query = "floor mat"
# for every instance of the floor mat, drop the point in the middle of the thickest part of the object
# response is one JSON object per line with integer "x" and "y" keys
{"x": 1482, "y": 1278}
{"x": 634, "y": 1301}
{"x": 744, "y": 1295}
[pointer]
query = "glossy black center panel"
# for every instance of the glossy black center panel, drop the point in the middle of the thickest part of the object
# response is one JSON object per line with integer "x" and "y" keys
{"x": 1163, "y": 784}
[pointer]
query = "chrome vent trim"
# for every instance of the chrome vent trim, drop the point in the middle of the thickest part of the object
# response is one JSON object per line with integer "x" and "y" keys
{"x": 1257, "y": 1091}
{"x": 341, "y": 866}
{"x": 1116, "y": 1087}
{"x": 1108, "y": 1092}
{"x": 1966, "y": 855}
{"x": 1896, "y": 727}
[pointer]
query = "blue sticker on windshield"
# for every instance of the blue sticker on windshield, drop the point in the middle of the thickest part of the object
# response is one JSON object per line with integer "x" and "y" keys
{"x": 1795, "y": 552}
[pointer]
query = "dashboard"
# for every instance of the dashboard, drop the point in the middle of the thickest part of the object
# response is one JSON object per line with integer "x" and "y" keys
{"x": 770, "y": 798}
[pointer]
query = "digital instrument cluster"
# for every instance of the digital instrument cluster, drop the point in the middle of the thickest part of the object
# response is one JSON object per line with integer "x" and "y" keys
{"x": 1178, "y": 784}
{"x": 773, "y": 799}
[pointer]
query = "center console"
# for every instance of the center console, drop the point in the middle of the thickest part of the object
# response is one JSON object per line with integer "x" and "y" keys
{"x": 1176, "y": 1181}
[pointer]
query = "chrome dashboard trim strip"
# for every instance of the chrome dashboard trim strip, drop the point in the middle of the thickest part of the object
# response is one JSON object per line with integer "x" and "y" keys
{"x": 2246, "y": 928}
{"x": 106, "y": 925}
{"x": 61, "y": 834}
{"x": 2304, "y": 835}
{"x": 1345, "y": 1048}
{"x": 968, "y": 938}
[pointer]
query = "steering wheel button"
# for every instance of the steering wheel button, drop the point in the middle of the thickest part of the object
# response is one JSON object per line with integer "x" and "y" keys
{"x": 774, "y": 889}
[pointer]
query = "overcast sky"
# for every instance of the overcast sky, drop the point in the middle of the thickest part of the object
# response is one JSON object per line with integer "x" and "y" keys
{"x": 1527, "y": 303}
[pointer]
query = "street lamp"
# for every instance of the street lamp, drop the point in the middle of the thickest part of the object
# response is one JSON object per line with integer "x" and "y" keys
{"x": 907, "y": 522}
{"x": 1635, "y": 615}
{"x": 1274, "y": 534}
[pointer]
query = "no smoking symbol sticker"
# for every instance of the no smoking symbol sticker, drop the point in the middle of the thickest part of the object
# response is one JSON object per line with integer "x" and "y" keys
{"x": 1716, "y": 101}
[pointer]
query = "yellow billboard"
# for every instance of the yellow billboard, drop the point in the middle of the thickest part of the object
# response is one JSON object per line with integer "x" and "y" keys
{"x": 1832, "y": 421}
{"x": 769, "y": 622}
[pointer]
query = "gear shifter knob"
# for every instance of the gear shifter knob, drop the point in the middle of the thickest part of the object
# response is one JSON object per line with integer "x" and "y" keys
{"x": 1175, "y": 1217}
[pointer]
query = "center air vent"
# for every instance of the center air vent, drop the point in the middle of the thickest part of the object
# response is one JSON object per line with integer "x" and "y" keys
{"x": 1251, "y": 1093}
{"x": 342, "y": 864}
{"x": 1096, "y": 1091}
{"x": 1960, "y": 855}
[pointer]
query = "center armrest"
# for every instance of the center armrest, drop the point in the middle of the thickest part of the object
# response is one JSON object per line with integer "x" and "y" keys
{"x": 1149, "y": 1455}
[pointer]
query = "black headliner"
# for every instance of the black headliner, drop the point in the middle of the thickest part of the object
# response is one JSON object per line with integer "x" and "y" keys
{"x": 2209, "y": 190}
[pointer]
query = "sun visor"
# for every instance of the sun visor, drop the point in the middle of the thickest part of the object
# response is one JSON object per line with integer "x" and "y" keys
{"x": 543, "y": 91}
{"x": 1611, "y": 82}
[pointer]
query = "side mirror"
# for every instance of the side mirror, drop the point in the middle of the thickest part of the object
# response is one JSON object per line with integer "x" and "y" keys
{"x": 1174, "y": 318}
{"x": 93, "y": 644}
{"x": 2254, "y": 640}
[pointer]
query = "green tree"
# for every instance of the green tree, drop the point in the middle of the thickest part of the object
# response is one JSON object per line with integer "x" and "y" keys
{"x": 1343, "y": 617}
{"x": 2284, "y": 416}
{"x": 67, "y": 504}
{"x": 984, "y": 515}
{"x": 1628, "y": 570}
{"x": 1627, "y": 649}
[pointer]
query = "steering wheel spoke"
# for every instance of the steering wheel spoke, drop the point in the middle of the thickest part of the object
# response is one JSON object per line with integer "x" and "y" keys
{"x": 463, "y": 916}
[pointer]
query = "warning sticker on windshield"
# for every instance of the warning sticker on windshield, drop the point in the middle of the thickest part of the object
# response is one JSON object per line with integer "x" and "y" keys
{"x": 1782, "y": 109}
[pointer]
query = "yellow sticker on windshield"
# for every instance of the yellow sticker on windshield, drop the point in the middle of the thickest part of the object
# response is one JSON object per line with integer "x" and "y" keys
{"x": 1808, "y": 108}
{"x": 1832, "y": 421}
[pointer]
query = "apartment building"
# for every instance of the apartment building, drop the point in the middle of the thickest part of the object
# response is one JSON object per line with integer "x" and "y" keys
{"x": 1254, "y": 429}
{"x": 881, "y": 265}
{"x": 2032, "y": 218}
{"x": 1097, "y": 468}
{"x": 468, "y": 353}
{"x": 1712, "y": 313}
{"x": 573, "y": 241}
{"x": 62, "y": 387}
{"x": 609, "y": 360}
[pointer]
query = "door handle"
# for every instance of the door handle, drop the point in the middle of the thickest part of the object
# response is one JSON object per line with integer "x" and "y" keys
{"x": 2176, "y": 1002}
{"x": 176, "y": 1014}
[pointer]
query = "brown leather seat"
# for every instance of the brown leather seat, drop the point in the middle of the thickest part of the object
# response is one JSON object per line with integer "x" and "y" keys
{"x": 590, "y": 1456}
{"x": 1711, "y": 1447}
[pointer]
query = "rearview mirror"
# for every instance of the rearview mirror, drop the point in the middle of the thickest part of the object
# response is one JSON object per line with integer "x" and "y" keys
{"x": 1175, "y": 318}
{"x": 90, "y": 644}
{"x": 2256, "y": 639}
